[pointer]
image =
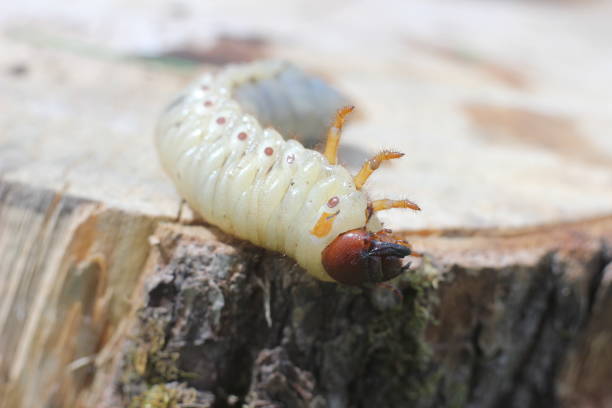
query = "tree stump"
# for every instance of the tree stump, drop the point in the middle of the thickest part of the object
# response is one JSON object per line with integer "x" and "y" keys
{"x": 111, "y": 295}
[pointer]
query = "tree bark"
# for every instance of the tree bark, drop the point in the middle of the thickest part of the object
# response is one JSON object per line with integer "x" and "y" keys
{"x": 486, "y": 321}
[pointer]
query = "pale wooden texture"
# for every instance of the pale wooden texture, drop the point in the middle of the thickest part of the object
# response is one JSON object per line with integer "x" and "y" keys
{"x": 502, "y": 108}
{"x": 69, "y": 272}
{"x": 503, "y": 111}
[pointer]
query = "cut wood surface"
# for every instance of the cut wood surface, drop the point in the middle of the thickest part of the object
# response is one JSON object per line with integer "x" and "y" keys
{"x": 502, "y": 109}
{"x": 501, "y": 126}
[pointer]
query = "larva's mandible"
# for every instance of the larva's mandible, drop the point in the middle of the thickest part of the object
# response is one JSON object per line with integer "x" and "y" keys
{"x": 250, "y": 182}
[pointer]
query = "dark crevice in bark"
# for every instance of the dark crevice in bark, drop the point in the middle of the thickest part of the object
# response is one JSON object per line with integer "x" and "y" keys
{"x": 603, "y": 259}
{"x": 475, "y": 371}
{"x": 242, "y": 359}
{"x": 556, "y": 319}
{"x": 521, "y": 377}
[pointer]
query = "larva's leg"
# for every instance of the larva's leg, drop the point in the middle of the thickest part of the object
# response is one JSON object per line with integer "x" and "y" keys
{"x": 179, "y": 214}
{"x": 369, "y": 166}
{"x": 385, "y": 204}
{"x": 333, "y": 134}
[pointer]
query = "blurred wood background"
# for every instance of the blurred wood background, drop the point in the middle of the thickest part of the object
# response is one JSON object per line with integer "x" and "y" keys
{"x": 503, "y": 111}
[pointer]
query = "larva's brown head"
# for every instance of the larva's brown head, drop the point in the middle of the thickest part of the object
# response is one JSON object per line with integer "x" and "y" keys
{"x": 358, "y": 256}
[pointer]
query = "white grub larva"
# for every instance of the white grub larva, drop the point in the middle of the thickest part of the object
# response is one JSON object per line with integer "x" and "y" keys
{"x": 250, "y": 182}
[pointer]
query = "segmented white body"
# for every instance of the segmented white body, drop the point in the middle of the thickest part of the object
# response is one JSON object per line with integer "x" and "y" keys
{"x": 248, "y": 180}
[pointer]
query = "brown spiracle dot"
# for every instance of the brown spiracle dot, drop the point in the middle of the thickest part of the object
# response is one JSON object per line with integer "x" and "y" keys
{"x": 290, "y": 158}
{"x": 208, "y": 104}
{"x": 333, "y": 202}
{"x": 221, "y": 120}
{"x": 242, "y": 136}
{"x": 268, "y": 151}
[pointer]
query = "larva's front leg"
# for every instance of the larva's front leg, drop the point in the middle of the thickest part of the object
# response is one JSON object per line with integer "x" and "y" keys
{"x": 333, "y": 134}
{"x": 370, "y": 165}
{"x": 387, "y": 204}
